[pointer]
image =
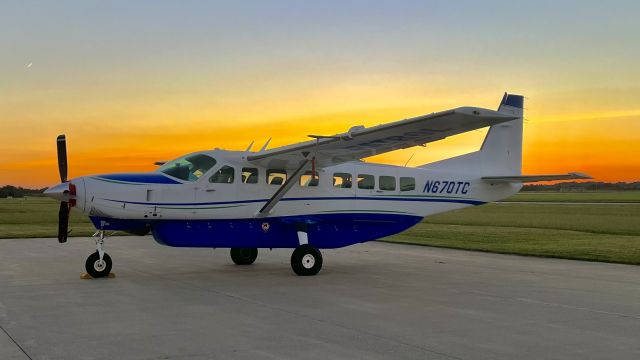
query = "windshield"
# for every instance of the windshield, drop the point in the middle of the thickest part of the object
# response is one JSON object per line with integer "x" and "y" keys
{"x": 189, "y": 167}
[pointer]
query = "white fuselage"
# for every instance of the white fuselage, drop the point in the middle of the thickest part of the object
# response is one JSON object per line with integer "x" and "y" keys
{"x": 434, "y": 192}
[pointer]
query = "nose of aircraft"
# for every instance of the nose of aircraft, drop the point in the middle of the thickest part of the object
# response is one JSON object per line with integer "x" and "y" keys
{"x": 72, "y": 191}
{"x": 59, "y": 192}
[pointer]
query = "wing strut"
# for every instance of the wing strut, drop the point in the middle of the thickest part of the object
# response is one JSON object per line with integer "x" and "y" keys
{"x": 282, "y": 190}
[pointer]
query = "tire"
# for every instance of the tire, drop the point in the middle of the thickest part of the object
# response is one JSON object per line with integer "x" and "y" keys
{"x": 244, "y": 256}
{"x": 306, "y": 260}
{"x": 95, "y": 269}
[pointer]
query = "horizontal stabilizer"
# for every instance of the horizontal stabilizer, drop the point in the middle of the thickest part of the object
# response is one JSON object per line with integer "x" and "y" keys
{"x": 536, "y": 178}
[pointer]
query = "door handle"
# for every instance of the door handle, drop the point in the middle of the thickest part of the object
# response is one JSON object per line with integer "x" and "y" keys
{"x": 210, "y": 190}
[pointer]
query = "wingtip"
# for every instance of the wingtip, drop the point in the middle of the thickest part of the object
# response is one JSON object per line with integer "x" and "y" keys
{"x": 579, "y": 175}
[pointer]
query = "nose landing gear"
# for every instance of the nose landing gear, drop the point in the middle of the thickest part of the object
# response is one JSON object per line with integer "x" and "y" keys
{"x": 97, "y": 267}
{"x": 99, "y": 263}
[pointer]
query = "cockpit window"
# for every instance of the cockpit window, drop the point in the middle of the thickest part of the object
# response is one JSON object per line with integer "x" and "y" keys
{"x": 188, "y": 168}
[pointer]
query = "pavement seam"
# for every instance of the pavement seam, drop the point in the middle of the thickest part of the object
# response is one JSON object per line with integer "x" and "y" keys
{"x": 15, "y": 342}
{"x": 593, "y": 232}
{"x": 546, "y": 303}
{"x": 534, "y": 301}
{"x": 541, "y": 256}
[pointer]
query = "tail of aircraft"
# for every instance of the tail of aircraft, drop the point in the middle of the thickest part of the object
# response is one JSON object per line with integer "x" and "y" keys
{"x": 501, "y": 151}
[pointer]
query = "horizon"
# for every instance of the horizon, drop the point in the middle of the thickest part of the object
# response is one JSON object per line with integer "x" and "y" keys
{"x": 131, "y": 84}
{"x": 524, "y": 188}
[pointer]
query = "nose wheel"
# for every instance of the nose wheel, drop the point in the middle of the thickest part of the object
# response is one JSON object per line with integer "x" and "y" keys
{"x": 97, "y": 267}
{"x": 306, "y": 260}
{"x": 99, "y": 263}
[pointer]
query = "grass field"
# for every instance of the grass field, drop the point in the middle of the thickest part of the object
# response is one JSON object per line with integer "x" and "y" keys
{"x": 586, "y": 196}
{"x": 599, "y": 232}
{"x": 37, "y": 217}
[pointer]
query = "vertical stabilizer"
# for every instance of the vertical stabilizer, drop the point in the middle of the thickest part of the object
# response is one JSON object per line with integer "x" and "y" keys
{"x": 502, "y": 147}
{"x": 501, "y": 151}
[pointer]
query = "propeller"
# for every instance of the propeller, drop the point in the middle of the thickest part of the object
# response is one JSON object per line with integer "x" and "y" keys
{"x": 65, "y": 209}
{"x": 63, "y": 222}
{"x": 62, "y": 157}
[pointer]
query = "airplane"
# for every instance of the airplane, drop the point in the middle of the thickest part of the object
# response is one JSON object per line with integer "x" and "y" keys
{"x": 312, "y": 195}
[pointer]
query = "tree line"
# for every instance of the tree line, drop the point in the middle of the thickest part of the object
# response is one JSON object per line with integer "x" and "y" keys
{"x": 18, "y": 192}
{"x": 583, "y": 186}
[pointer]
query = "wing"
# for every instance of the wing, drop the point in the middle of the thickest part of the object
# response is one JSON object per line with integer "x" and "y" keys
{"x": 537, "y": 178}
{"x": 360, "y": 142}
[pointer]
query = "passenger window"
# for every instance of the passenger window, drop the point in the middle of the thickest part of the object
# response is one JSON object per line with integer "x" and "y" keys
{"x": 342, "y": 180}
{"x": 276, "y": 176}
{"x": 223, "y": 176}
{"x": 407, "y": 184}
{"x": 366, "y": 181}
{"x": 249, "y": 175}
{"x": 387, "y": 183}
{"x": 307, "y": 179}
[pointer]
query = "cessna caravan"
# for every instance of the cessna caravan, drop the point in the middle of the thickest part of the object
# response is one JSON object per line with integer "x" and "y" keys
{"x": 307, "y": 196}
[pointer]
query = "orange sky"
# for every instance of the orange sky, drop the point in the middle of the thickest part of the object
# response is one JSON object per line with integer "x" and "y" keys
{"x": 603, "y": 144}
{"x": 130, "y": 88}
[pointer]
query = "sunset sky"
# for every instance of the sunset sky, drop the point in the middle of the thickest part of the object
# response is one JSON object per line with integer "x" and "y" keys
{"x": 133, "y": 82}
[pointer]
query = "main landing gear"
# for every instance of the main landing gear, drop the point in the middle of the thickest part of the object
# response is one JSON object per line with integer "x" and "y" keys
{"x": 306, "y": 260}
{"x": 99, "y": 263}
{"x": 244, "y": 256}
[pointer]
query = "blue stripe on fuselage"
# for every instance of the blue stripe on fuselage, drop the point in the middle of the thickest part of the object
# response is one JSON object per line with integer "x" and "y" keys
{"x": 448, "y": 200}
{"x": 141, "y": 178}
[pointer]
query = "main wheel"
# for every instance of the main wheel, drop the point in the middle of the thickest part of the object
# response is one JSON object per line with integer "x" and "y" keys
{"x": 97, "y": 268}
{"x": 244, "y": 256}
{"x": 306, "y": 260}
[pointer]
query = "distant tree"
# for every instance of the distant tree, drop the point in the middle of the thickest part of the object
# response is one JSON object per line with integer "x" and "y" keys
{"x": 18, "y": 192}
{"x": 584, "y": 186}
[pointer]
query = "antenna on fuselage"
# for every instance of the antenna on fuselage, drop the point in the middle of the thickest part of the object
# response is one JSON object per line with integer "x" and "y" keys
{"x": 410, "y": 157}
{"x": 264, "y": 147}
{"x": 250, "y": 146}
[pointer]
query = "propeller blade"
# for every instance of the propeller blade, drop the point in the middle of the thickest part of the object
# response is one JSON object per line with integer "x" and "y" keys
{"x": 62, "y": 157}
{"x": 63, "y": 221}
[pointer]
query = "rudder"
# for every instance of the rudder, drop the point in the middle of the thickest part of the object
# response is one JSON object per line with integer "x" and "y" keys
{"x": 501, "y": 150}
